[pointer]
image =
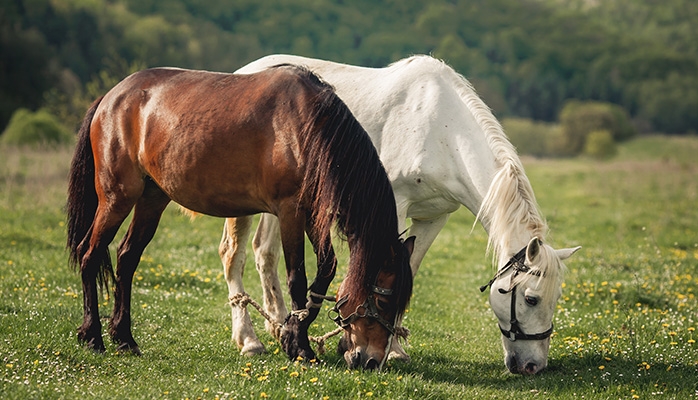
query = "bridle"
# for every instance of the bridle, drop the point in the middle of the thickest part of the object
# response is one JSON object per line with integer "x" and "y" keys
{"x": 518, "y": 264}
{"x": 366, "y": 310}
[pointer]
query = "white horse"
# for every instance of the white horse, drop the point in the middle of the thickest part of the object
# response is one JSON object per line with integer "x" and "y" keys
{"x": 442, "y": 148}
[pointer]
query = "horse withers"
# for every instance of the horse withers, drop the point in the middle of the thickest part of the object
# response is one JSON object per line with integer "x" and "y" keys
{"x": 278, "y": 142}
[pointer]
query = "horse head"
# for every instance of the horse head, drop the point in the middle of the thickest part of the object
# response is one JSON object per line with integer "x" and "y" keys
{"x": 523, "y": 296}
{"x": 369, "y": 316}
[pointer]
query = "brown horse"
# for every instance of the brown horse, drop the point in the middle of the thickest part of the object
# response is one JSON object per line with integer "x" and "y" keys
{"x": 229, "y": 145}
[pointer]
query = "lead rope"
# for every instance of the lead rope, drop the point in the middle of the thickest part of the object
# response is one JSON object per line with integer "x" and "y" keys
{"x": 243, "y": 299}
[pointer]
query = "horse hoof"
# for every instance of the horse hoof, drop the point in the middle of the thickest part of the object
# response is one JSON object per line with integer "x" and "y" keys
{"x": 95, "y": 343}
{"x": 295, "y": 342}
{"x": 252, "y": 349}
{"x": 129, "y": 348}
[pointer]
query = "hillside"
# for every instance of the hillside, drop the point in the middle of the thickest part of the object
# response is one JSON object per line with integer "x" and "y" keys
{"x": 526, "y": 58}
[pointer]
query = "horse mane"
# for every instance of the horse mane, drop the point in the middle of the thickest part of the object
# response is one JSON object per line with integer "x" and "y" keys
{"x": 346, "y": 183}
{"x": 510, "y": 201}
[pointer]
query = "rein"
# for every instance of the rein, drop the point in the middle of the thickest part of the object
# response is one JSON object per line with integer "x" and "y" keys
{"x": 518, "y": 264}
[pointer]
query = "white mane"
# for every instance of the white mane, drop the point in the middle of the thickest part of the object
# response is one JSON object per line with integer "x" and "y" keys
{"x": 510, "y": 202}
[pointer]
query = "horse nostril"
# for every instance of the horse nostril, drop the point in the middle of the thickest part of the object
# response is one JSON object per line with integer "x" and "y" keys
{"x": 531, "y": 368}
{"x": 372, "y": 364}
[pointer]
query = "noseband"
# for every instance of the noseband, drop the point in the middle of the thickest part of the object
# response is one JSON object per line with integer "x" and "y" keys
{"x": 518, "y": 264}
{"x": 366, "y": 310}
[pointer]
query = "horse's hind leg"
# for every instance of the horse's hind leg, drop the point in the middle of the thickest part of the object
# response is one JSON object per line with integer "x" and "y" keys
{"x": 267, "y": 251}
{"x": 236, "y": 232}
{"x": 146, "y": 217}
{"x": 108, "y": 218}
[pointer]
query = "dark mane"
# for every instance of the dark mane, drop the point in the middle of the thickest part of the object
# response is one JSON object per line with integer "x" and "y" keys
{"x": 346, "y": 184}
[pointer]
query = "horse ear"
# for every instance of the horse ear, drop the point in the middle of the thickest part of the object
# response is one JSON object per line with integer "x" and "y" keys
{"x": 533, "y": 249}
{"x": 567, "y": 253}
{"x": 409, "y": 244}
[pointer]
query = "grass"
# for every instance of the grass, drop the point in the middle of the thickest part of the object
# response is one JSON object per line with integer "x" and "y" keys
{"x": 625, "y": 327}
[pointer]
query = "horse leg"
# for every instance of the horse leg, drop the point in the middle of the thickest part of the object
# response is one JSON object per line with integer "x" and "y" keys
{"x": 425, "y": 232}
{"x": 326, "y": 269}
{"x": 294, "y": 334}
{"x": 104, "y": 227}
{"x": 146, "y": 216}
{"x": 267, "y": 250}
{"x": 236, "y": 232}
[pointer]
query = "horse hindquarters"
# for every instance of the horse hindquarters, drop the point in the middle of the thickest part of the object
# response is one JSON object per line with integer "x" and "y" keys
{"x": 90, "y": 230}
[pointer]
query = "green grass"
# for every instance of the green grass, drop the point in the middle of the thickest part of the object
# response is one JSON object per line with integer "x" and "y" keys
{"x": 625, "y": 327}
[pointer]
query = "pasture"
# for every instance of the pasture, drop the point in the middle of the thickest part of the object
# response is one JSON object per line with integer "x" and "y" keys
{"x": 624, "y": 328}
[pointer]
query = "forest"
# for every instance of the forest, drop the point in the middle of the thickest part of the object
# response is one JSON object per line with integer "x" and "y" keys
{"x": 526, "y": 58}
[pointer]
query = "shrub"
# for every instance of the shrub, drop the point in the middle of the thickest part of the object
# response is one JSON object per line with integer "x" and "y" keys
{"x": 35, "y": 128}
{"x": 578, "y": 119}
{"x": 600, "y": 145}
{"x": 539, "y": 139}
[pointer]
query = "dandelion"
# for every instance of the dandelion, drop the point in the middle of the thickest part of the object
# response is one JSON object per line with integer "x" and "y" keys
{"x": 313, "y": 380}
{"x": 293, "y": 374}
{"x": 369, "y": 394}
{"x": 601, "y": 367}
{"x": 263, "y": 395}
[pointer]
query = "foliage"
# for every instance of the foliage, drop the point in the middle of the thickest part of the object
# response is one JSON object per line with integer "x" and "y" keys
{"x": 624, "y": 327}
{"x": 35, "y": 128}
{"x": 600, "y": 145}
{"x": 526, "y": 58}
{"x": 539, "y": 139}
{"x": 579, "y": 119}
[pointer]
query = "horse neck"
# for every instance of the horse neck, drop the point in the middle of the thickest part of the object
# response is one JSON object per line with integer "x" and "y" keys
{"x": 507, "y": 208}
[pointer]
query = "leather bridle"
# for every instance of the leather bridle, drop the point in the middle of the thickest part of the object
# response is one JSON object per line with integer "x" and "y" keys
{"x": 366, "y": 310}
{"x": 518, "y": 264}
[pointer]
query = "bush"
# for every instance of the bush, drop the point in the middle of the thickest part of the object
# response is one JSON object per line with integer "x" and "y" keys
{"x": 539, "y": 139}
{"x": 578, "y": 119}
{"x": 600, "y": 145}
{"x": 35, "y": 128}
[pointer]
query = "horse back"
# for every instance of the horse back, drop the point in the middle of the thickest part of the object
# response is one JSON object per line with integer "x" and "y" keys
{"x": 216, "y": 143}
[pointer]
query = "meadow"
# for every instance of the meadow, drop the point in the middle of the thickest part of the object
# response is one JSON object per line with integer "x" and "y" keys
{"x": 625, "y": 327}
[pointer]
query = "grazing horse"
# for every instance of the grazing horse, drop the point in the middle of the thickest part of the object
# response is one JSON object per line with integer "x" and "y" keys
{"x": 442, "y": 148}
{"x": 225, "y": 145}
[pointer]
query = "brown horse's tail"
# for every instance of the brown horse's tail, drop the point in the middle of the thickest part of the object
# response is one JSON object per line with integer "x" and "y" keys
{"x": 81, "y": 206}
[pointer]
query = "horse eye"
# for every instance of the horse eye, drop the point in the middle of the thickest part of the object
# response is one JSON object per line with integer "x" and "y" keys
{"x": 531, "y": 301}
{"x": 382, "y": 305}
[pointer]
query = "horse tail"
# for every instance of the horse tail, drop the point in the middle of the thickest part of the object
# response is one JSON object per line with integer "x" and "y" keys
{"x": 81, "y": 206}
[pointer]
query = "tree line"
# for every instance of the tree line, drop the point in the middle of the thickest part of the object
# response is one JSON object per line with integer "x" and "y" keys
{"x": 526, "y": 58}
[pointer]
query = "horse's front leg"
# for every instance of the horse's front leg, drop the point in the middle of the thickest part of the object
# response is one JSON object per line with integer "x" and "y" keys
{"x": 294, "y": 334}
{"x": 236, "y": 232}
{"x": 326, "y": 269}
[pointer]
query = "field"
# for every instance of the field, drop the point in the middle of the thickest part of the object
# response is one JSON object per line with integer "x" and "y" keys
{"x": 625, "y": 327}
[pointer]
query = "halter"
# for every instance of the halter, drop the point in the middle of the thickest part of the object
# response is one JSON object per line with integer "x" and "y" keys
{"x": 366, "y": 310}
{"x": 517, "y": 262}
